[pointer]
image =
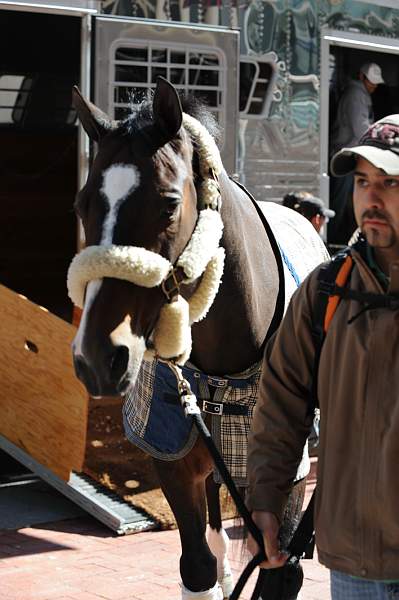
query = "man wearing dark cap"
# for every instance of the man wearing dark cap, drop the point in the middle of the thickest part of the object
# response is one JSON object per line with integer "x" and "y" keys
{"x": 354, "y": 116}
{"x": 356, "y": 511}
{"x": 311, "y": 207}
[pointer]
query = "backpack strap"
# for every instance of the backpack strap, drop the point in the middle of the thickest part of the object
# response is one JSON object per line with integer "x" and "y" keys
{"x": 340, "y": 280}
{"x": 335, "y": 273}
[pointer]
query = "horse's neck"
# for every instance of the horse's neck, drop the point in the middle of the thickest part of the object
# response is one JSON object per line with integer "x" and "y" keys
{"x": 230, "y": 338}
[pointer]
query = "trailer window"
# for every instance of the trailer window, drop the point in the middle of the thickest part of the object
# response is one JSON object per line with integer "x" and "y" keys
{"x": 256, "y": 87}
{"x": 37, "y": 100}
{"x": 14, "y": 90}
{"x": 136, "y": 67}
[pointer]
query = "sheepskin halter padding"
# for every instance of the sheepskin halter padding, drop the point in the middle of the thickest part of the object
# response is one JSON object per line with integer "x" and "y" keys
{"x": 202, "y": 256}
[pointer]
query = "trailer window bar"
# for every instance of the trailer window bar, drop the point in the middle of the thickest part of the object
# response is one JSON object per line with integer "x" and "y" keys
{"x": 14, "y": 94}
{"x": 256, "y": 87}
{"x": 135, "y": 66}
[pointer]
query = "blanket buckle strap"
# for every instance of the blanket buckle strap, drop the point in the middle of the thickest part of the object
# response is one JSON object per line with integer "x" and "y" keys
{"x": 214, "y": 408}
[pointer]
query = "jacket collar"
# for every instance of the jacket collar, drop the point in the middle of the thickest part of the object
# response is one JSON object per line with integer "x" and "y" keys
{"x": 375, "y": 279}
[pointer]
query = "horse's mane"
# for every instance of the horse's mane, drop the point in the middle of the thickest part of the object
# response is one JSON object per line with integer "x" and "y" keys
{"x": 141, "y": 114}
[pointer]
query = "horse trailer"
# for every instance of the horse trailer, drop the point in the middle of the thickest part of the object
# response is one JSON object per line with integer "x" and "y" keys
{"x": 271, "y": 71}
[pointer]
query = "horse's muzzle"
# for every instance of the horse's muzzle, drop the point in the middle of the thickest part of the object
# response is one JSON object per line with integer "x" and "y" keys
{"x": 111, "y": 380}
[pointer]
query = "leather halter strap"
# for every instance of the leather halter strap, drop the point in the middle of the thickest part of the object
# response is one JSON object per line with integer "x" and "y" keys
{"x": 176, "y": 276}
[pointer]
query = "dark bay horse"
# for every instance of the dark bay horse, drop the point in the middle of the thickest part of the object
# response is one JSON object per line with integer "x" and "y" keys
{"x": 156, "y": 203}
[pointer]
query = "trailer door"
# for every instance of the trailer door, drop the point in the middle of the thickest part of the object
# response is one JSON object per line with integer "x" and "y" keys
{"x": 131, "y": 53}
{"x": 347, "y": 51}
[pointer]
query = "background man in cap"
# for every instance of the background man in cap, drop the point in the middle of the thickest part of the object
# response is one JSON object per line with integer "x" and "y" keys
{"x": 353, "y": 118}
{"x": 311, "y": 207}
{"x": 356, "y": 512}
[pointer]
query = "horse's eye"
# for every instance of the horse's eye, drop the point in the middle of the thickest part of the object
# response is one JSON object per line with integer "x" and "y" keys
{"x": 171, "y": 204}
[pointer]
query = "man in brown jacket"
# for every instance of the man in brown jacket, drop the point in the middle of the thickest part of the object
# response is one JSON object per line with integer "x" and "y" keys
{"x": 357, "y": 501}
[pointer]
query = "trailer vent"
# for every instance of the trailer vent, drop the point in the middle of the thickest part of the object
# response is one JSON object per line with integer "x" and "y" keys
{"x": 256, "y": 87}
{"x": 200, "y": 70}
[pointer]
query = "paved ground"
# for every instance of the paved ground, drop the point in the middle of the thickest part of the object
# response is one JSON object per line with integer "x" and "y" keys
{"x": 79, "y": 559}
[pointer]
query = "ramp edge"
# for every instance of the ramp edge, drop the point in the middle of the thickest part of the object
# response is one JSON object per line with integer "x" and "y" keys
{"x": 88, "y": 494}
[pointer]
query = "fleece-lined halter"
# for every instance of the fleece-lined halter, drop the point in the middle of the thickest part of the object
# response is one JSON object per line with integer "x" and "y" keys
{"x": 202, "y": 256}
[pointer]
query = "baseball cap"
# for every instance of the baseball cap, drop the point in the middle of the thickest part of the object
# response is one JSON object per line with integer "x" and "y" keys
{"x": 373, "y": 72}
{"x": 309, "y": 206}
{"x": 380, "y": 146}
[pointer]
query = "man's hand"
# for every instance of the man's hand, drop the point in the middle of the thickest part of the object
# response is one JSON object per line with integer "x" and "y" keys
{"x": 269, "y": 526}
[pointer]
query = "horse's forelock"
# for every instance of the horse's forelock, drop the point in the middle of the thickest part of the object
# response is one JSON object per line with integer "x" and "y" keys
{"x": 141, "y": 115}
{"x": 140, "y": 122}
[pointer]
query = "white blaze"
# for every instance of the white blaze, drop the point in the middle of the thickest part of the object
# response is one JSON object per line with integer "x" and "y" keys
{"x": 118, "y": 182}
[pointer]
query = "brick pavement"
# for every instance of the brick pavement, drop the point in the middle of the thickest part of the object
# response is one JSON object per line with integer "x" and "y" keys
{"x": 80, "y": 559}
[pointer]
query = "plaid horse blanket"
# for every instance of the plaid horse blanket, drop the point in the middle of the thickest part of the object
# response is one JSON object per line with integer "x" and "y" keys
{"x": 153, "y": 418}
{"x": 155, "y": 422}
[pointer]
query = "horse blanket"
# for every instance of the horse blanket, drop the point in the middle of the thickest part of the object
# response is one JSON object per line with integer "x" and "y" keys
{"x": 155, "y": 421}
{"x": 153, "y": 417}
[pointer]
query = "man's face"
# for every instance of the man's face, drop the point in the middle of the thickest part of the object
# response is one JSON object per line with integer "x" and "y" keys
{"x": 318, "y": 222}
{"x": 370, "y": 87}
{"x": 376, "y": 206}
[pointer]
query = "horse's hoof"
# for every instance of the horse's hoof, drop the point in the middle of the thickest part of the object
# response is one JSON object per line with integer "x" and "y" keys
{"x": 227, "y": 585}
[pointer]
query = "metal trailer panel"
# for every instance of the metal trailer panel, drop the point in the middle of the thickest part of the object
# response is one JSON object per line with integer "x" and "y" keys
{"x": 112, "y": 31}
{"x": 77, "y": 7}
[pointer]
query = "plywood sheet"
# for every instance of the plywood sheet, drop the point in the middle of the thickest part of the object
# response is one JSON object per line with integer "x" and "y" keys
{"x": 43, "y": 407}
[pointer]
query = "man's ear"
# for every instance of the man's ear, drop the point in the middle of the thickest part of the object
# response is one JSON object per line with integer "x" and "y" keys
{"x": 95, "y": 122}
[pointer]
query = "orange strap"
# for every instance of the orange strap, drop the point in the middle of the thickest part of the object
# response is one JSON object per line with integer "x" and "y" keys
{"x": 333, "y": 301}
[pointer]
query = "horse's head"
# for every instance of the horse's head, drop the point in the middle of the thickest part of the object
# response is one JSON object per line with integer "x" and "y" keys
{"x": 139, "y": 210}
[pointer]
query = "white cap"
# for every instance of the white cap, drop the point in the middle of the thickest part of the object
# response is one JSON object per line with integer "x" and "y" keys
{"x": 373, "y": 72}
{"x": 380, "y": 146}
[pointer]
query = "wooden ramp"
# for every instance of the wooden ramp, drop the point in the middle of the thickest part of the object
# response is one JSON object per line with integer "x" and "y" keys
{"x": 44, "y": 408}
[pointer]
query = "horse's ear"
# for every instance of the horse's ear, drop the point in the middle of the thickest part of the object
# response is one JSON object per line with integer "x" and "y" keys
{"x": 168, "y": 113}
{"x": 95, "y": 122}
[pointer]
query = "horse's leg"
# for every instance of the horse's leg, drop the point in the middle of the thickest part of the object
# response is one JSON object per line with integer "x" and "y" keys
{"x": 217, "y": 537}
{"x": 183, "y": 483}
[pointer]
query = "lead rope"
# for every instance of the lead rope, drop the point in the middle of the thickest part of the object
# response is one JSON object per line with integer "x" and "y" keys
{"x": 191, "y": 409}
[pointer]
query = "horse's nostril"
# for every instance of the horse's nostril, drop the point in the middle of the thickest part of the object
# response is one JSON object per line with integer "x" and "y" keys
{"x": 119, "y": 363}
{"x": 85, "y": 375}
